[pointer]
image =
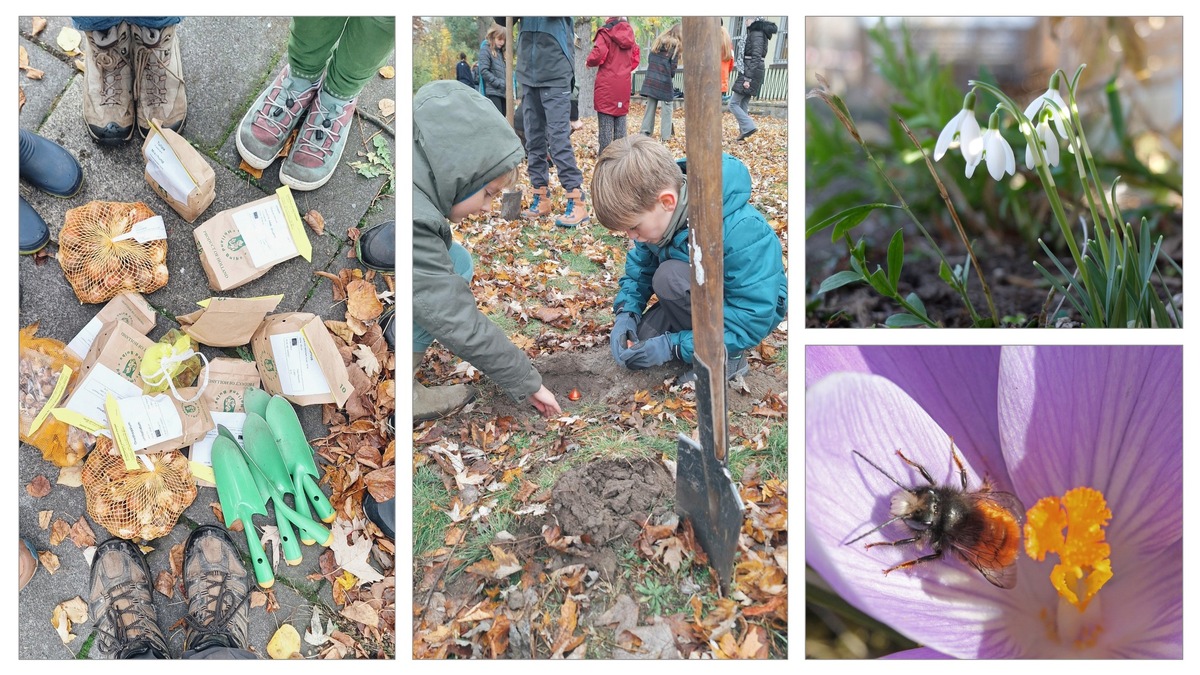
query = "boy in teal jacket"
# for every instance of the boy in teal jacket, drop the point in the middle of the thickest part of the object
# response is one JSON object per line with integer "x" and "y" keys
{"x": 639, "y": 189}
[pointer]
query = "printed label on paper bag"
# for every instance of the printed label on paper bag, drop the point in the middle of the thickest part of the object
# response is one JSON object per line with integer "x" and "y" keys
{"x": 150, "y": 229}
{"x": 150, "y": 420}
{"x": 265, "y": 231}
{"x": 299, "y": 372}
{"x": 164, "y": 167}
{"x": 81, "y": 343}
{"x": 88, "y": 399}
{"x": 202, "y": 449}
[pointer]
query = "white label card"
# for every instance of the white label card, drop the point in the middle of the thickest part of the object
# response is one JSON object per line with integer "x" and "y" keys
{"x": 202, "y": 449}
{"x": 81, "y": 343}
{"x": 150, "y": 420}
{"x": 164, "y": 167}
{"x": 265, "y": 231}
{"x": 150, "y": 229}
{"x": 299, "y": 372}
{"x": 88, "y": 399}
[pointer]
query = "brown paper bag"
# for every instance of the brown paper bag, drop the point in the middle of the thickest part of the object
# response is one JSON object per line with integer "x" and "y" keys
{"x": 227, "y": 322}
{"x": 224, "y": 398}
{"x": 113, "y": 364}
{"x": 241, "y": 244}
{"x": 131, "y": 308}
{"x": 170, "y": 159}
{"x": 157, "y": 430}
{"x": 297, "y": 359}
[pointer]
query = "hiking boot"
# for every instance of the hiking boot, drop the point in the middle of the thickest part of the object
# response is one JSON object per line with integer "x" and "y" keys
{"x": 319, "y": 144}
{"x": 278, "y": 110}
{"x": 48, "y": 166}
{"x": 430, "y": 403}
{"x": 540, "y": 206}
{"x": 735, "y": 366}
{"x": 217, "y": 587}
{"x": 108, "y": 84}
{"x": 34, "y": 234}
{"x": 28, "y": 562}
{"x": 376, "y": 248}
{"x": 576, "y": 212}
{"x": 158, "y": 78}
{"x": 121, "y": 604}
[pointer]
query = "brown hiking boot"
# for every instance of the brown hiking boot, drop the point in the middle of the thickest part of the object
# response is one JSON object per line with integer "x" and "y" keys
{"x": 217, "y": 587}
{"x": 576, "y": 212}
{"x": 108, "y": 84}
{"x": 430, "y": 403}
{"x": 158, "y": 78}
{"x": 120, "y": 602}
{"x": 540, "y": 206}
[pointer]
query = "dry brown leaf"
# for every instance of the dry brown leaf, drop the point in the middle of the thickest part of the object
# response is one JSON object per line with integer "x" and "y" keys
{"x": 315, "y": 221}
{"x": 59, "y": 531}
{"x": 549, "y": 314}
{"x": 22, "y": 58}
{"x": 353, "y": 557}
{"x": 387, "y": 72}
{"x": 754, "y": 644}
{"x": 38, "y": 487}
{"x": 362, "y": 301}
{"x": 81, "y": 533}
{"x": 73, "y": 611}
{"x": 79, "y": 65}
{"x": 381, "y": 483}
{"x": 176, "y": 556}
{"x": 39, "y": 25}
{"x": 496, "y": 639}
{"x": 216, "y": 509}
{"x": 357, "y": 327}
{"x": 44, "y": 518}
{"x": 257, "y": 599}
{"x": 165, "y": 584}
{"x": 387, "y": 107}
{"x": 454, "y": 535}
{"x": 340, "y": 329}
{"x": 21, "y": 104}
{"x": 257, "y": 173}
{"x": 500, "y": 567}
{"x": 363, "y": 613}
{"x": 34, "y": 73}
{"x": 366, "y": 360}
{"x": 49, "y": 561}
{"x": 71, "y": 476}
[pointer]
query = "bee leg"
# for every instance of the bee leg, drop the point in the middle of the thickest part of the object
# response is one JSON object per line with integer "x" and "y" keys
{"x": 913, "y": 563}
{"x": 901, "y": 542}
{"x": 962, "y": 471}
{"x": 918, "y": 467}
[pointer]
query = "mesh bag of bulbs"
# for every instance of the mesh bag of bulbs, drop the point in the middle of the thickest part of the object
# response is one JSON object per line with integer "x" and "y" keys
{"x": 142, "y": 504}
{"x": 102, "y": 258}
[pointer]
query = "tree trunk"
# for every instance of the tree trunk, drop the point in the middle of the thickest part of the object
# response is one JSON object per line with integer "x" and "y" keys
{"x": 483, "y": 23}
{"x": 585, "y": 78}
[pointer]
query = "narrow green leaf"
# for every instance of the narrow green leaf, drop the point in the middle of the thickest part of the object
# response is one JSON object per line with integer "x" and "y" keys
{"x": 859, "y": 212}
{"x": 915, "y": 301}
{"x": 945, "y": 273}
{"x": 879, "y": 282}
{"x": 895, "y": 258}
{"x": 838, "y": 280}
{"x": 903, "y": 320}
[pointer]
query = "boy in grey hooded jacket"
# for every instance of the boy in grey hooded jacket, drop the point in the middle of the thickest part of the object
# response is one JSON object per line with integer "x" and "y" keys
{"x": 450, "y": 181}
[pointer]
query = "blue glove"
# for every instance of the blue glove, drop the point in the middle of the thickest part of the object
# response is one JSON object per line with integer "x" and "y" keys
{"x": 653, "y": 352}
{"x": 624, "y": 330}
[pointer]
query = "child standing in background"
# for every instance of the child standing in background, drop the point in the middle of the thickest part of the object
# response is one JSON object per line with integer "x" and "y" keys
{"x": 658, "y": 88}
{"x": 616, "y": 54}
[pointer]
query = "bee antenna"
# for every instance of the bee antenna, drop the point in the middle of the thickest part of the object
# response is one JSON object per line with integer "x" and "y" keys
{"x": 873, "y": 530}
{"x": 889, "y": 476}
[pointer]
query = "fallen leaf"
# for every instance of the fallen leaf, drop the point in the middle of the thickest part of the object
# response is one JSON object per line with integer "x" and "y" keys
{"x": 387, "y": 72}
{"x": 79, "y": 65}
{"x": 352, "y": 557}
{"x": 44, "y": 518}
{"x": 216, "y": 509}
{"x": 165, "y": 584}
{"x": 387, "y": 107}
{"x": 49, "y": 561}
{"x": 256, "y": 173}
{"x": 89, "y": 554}
{"x": 315, "y": 635}
{"x": 20, "y": 105}
{"x": 285, "y": 643}
{"x": 361, "y": 301}
{"x": 366, "y": 360}
{"x": 257, "y": 599}
{"x": 622, "y": 616}
{"x": 381, "y": 483}
{"x": 340, "y": 329}
{"x": 69, "y": 39}
{"x": 22, "y": 58}
{"x": 76, "y": 609}
{"x": 362, "y": 613}
{"x": 500, "y": 567}
{"x": 176, "y": 556}
{"x": 671, "y": 552}
{"x": 59, "y": 531}
{"x": 496, "y": 639}
{"x": 315, "y": 221}
{"x": 549, "y": 314}
{"x": 271, "y": 541}
{"x": 61, "y": 620}
{"x": 754, "y": 644}
{"x": 39, "y": 25}
{"x": 81, "y": 533}
{"x": 38, "y": 487}
{"x": 272, "y": 601}
{"x": 71, "y": 476}
{"x": 647, "y": 642}
{"x": 34, "y": 73}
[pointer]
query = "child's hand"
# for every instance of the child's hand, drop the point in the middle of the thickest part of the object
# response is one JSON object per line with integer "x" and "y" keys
{"x": 653, "y": 352}
{"x": 624, "y": 331}
{"x": 545, "y": 402}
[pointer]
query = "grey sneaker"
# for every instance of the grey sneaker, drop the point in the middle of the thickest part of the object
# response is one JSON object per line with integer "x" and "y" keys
{"x": 121, "y": 604}
{"x": 158, "y": 78}
{"x": 268, "y": 123}
{"x": 108, "y": 84}
{"x": 217, "y": 587}
{"x": 318, "y": 147}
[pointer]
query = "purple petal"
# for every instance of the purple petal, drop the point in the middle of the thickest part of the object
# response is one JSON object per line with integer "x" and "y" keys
{"x": 920, "y": 653}
{"x": 1143, "y": 607}
{"x": 956, "y": 386}
{"x": 1106, "y": 417}
{"x": 944, "y": 604}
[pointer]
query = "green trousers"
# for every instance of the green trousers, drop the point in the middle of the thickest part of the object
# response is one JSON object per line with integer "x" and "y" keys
{"x": 353, "y": 47}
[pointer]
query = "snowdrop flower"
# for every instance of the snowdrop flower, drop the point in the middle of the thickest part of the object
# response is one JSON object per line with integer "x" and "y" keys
{"x": 1057, "y": 114}
{"x": 1090, "y": 437}
{"x": 1043, "y": 135}
{"x": 996, "y": 151}
{"x": 964, "y": 129}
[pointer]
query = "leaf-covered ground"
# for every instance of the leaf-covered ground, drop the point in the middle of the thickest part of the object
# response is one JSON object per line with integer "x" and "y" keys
{"x": 557, "y": 538}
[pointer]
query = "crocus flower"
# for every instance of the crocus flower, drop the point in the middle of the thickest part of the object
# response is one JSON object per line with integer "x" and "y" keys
{"x": 1039, "y": 422}
{"x": 964, "y": 129}
{"x": 996, "y": 152}
{"x": 1043, "y": 135}
{"x": 1051, "y": 94}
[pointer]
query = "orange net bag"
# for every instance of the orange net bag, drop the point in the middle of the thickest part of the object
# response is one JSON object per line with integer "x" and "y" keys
{"x": 41, "y": 363}
{"x": 142, "y": 504}
{"x": 99, "y": 268}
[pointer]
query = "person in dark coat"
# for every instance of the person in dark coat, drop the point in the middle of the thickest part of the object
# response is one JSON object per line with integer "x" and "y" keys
{"x": 491, "y": 67}
{"x": 752, "y": 67}
{"x": 657, "y": 87}
{"x": 615, "y": 54}
{"x": 462, "y": 72}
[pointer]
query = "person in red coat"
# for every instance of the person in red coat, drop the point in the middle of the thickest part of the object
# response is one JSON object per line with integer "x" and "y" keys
{"x": 616, "y": 54}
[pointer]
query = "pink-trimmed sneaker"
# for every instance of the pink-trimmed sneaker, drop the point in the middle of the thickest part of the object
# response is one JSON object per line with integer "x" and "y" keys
{"x": 318, "y": 147}
{"x": 275, "y": 113}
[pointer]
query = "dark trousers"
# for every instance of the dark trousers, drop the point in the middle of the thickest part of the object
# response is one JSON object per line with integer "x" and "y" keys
{"x": 547, "y": 113}
{"x": 672, "y": 313}
{"x": 499, "y": 102}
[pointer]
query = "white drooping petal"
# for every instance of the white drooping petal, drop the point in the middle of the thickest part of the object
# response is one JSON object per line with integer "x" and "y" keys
{"x": 970, "y": 139}
{"x": 972, "y": 163}
{"x": 949, "y": 132}
{"x": 1057, "y": 114}
{"x": 1030, "y": 157}
{"x": 998, "y": 154}
{"x": 1050, "y": 143}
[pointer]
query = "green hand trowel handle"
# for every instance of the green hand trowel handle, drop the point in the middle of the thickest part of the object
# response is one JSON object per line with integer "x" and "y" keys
{"x": 287, "y": 536}
{"x": 240, "y": 500}
{"x": 309, "y": 528}
{"x": 308, "y": 490}
{"x": 298, "y": 456}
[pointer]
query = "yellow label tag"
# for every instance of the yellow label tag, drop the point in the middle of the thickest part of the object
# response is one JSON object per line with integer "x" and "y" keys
{"x": 120, "y": 435}
{"x": 295, "y": 225}
{"x": 202, "y": 472}
{"x": 55, "y": 396}
{"x": 78, "y": 421}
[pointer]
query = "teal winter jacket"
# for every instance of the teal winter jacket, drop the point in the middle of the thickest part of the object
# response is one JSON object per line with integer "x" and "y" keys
{"x": 755, "y": 282}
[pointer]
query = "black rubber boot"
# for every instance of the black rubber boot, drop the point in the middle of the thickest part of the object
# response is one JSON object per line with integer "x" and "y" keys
{"x": 377, "y": 247}
{"x": 34, "y": 233}
{"x": 383, "y": 514}
{"x": 388, "y": 321}
{"x": 48, "y": 166}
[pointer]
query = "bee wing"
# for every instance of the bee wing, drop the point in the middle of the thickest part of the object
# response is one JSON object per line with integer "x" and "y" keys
{"x": 995, "y": 553}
